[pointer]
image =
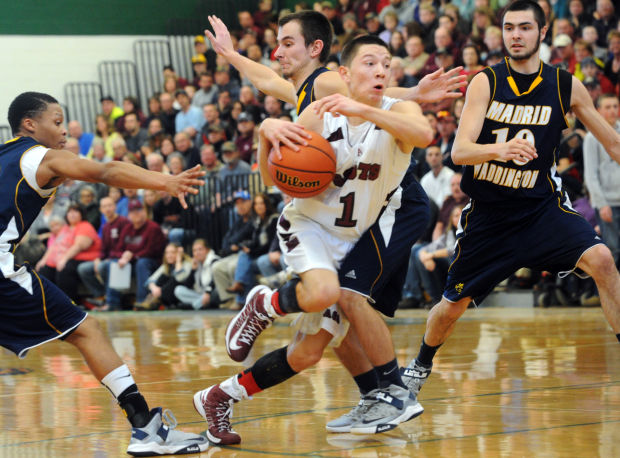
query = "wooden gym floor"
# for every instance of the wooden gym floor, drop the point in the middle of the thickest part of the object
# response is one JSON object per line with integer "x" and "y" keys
{"x": 508, "y": 383}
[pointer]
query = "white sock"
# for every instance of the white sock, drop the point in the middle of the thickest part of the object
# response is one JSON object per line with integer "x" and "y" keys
{"x": 268, "y": 307}
{"x": 118, "y": 380}
{"x": 234, "y": 389}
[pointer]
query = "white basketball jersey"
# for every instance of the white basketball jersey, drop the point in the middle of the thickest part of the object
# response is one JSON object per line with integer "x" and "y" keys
{"x": 370, "y": 166}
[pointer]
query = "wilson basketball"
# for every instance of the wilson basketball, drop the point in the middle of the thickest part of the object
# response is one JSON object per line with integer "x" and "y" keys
{"x": 304, "y": 173}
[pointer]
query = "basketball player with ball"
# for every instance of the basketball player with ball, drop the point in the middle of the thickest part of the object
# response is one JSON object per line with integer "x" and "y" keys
{"x": 368, "y": 132}
{"x": 373, "y": 271}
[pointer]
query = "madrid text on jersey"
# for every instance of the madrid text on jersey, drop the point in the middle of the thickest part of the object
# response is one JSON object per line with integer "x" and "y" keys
{"x": 519, "y": 114}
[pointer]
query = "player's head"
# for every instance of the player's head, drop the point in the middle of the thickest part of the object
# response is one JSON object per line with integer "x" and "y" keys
{"x": 38, "y": 115}
{"x": 523, "y": 27}
{"x": 365, "y": 68}
{"x": 303, "y": 37}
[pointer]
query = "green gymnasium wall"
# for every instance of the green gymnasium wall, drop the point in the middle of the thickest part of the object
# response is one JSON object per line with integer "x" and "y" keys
{"x": 115, "y": 17}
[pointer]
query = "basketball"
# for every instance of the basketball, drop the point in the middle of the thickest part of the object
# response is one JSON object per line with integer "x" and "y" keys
{"x": 304, "y": 173}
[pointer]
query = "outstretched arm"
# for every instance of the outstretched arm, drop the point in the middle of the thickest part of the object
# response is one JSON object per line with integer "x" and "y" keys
{"x": 261, "y": 76}
{"x": 434, "y": 87}
{"x": 581, "y": 104}
{"x": 60, "y": 164}
{"x": 404, "y": 120}
{"x": 465, "y": 150}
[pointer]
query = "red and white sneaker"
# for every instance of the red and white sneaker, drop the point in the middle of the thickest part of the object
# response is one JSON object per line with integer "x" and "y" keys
{"x": 246, "y": 326}
{"x": 215, "y": 406}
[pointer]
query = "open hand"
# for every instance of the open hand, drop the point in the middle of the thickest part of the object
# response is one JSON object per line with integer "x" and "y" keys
{"x": 179, "y": 185}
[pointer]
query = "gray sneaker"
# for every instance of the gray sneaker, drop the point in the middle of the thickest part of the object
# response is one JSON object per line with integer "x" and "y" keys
{"x": 414, "y": 376}
{"x": 385, "y": 409}
{"x": 159, "y": 438}
{"x": 343, "y": 423}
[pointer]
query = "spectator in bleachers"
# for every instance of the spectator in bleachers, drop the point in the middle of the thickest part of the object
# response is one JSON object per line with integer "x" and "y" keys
{"x": 184, "y": 145}
{"x": 443, "y": 45}
{"x": 470, "y": 56}
{"x": 224, "y": 104}
{"x": 564, "y": 26}
{"x": 224, "y": 83}
{"x": 155, "y": 135}
{"x": 169, "y": 72}
{"x": 373, "y": 24}
{"x": 217, "y": 137}
{"x": 206, "y": 93}
{"x": 592, "y": 72}
{"x": 251, "y": 104}
{"x": 482, "y": 19}
{"x": 155, "y": 162}
{"x": 85, "y": 139}
{"x": 604, "y": 19}
{"x": 433, "y": 260}
{"x": 119, "y": 149}
{"x": 90, "y": 271}
{"x": 264, "y": 16}
{"x": 446, "y": 127}
{"x": 154, "y": 108}
{"x": 200, "y": 47}
{"x": 87, "y": 201}
{"x": 142, "y": 244}
{"x": 263, "y": 232}
{"x": 270, "y": 43}
{"x": 125, "y": 198}
{"x": 448, "y": 22}
{"x": 149, "y": 199}
{"x": 350, "y": 27}
{"x": 168, "y": 113}
{"x": 328, "y": 10}
{"x": 436, "y": 182}
{"x": 77, "y": 241}
{"x": 135, "y": 136}
{"x": 190, "y": 89}
{"x": 167, "y": 212}
{"x": 209, "y": 161}
{"x": 175, "y": 163}
{"x": 246, "y": 23}
{"x": 167, "y": 146}
{"x": 563, "y": 55}
{"x": 110, "y": 110}
{"x": 212, "y": 117}
{"x": 239, "y": 232}
{"x": 233, "y": 164}
{"x": 456, "y": 197}
{"x": 199, "y": 66}
{"x": 493, "y": 41}
{"x": 247, "y": 136}
{"x": 273, "y": 106}
{"x": 454, "y": 11}
{"x": 590, "y": 36}
{"x": 97, "y": 151}
{"x": 201, "y": 292}
{"x": 397, "y": 44}
{"x": 189, "y": 119}
{"x": 403, "y": 10}
{"x": 416, "y": 57}
{"x": 73, "y": 145}
{"x": 428, "y": 24}
{"x": 577, "y": 16}
{"x": 398, "y": 77}
{"x": 612, "y": 66}
{"x": 175, "y": 270}
{"x": 171, "y": 86}
{"x": 130, "y": 105}
{"x": 602, "y": 178}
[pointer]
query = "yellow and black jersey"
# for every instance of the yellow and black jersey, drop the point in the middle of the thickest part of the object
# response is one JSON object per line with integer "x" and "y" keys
{"x": 305, "y": 95}
{"x": 532, "y": 107}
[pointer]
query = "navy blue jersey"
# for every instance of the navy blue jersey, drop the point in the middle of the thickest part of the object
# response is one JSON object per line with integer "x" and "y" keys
{"x": 22, "y": 199}
{"x": 305, "y": 95}
{"x": 537, "y": 115}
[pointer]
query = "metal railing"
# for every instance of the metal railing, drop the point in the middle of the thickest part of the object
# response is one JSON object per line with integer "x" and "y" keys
{"x": 212, "y": 211}
{"x": 119, "y": 79}
{"x": 150, "y": 56}
{"x": 83, "y": 103}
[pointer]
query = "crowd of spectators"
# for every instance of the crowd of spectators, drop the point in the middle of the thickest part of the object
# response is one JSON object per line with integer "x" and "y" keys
{"x": 211, "y": 118}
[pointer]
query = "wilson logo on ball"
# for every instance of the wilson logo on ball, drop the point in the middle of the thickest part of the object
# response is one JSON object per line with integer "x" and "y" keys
{"x": 289, "y": 180}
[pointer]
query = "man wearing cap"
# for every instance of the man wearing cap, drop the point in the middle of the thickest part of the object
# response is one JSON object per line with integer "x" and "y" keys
{"x": 216, "y": 136}
{"x": 140, "y": 244}
{"x": 201, "y": 47}
{"x": 246, "y": 138}
{"x": 190, "y": 118}
{"x": 233, "y": 167}
{"x": 199, "y": 65}
{"x": 563, "y": 56}
{"x": 110, "y": 110}
{"x": 591, "y": 71}
{"x": 240, "y": 231}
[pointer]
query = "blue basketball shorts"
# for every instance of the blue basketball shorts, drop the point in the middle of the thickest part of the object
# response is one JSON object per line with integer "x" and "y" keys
{"x": 34, "y": 311}
{"x": 495, "y": 242}
{"x": 376, "y": 266}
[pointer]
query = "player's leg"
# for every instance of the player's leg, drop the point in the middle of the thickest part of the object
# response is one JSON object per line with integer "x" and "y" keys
{"x": 150, "y": 436}
{"x": 215, "y": 403}
{"x": 598, "y": 262}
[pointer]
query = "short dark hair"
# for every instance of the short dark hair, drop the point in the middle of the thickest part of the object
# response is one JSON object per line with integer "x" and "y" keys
{"x": 28, "y": 105}
{"x": 525, "y": 5}
{"x": 350, "y": 49}
{"x": 314, "y": 26}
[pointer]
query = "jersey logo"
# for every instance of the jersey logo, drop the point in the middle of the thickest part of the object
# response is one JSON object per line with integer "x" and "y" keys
{"x": 459, "y": 287}
{"x": 351, "y": 274}
{"x": 362, "y": 171}
{"x": 519, "y": 114}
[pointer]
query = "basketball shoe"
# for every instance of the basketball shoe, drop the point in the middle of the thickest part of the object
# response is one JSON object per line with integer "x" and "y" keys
{"x": 246, "y": 326}
{"x": 159, "y": 438}
{"x": 386, "y": 409}
{"x": 216, "y": 406}
{"x": 343, "y": 424}
{"x": 414, "y": 376}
